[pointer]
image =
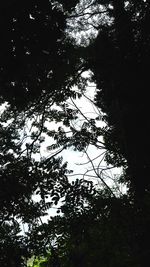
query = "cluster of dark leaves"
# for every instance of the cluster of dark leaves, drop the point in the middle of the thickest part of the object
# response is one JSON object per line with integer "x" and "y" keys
{"x": 119, "y": 59}
{"x": 21, "y": 178}
{"x": 104, "y": 231}
{"x": 36, "y": 58}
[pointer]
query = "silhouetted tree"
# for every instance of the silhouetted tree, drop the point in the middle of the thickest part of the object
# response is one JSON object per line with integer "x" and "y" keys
{"x": 119, "y": 59}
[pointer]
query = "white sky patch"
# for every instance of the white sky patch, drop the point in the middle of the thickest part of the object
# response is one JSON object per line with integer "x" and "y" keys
{"x": 88, "y": 164}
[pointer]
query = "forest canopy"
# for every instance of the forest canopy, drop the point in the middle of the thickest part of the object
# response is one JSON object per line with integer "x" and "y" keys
{"x": 50, "y": 54}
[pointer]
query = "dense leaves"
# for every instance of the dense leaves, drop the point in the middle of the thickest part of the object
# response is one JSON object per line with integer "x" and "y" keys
{"x": 35, "y": 58}
{"x": 43, "y": 54}
{"x": 107, "y": 232}
{"x": 120, "y": 62}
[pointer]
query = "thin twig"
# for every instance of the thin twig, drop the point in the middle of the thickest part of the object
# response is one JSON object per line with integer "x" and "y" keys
{"x": 102, "y": 180}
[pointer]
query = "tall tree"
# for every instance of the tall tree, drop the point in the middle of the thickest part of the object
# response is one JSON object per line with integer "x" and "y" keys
{"x": 119, "y": 59}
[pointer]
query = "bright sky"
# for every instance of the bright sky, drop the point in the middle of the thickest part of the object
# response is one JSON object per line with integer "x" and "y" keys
{"x": 83, "y": 164}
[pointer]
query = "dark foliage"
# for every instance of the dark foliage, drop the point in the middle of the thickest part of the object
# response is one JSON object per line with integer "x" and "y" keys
{"x": 35, "y": 58}
{"x": 21, "y": 178}
{"x": 105, "y": 232}
{"x": 119, "y": 58}
{"x": 39, "y": 65}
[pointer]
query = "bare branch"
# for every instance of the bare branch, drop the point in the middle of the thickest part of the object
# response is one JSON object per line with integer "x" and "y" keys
{"x": 102, "y": 180}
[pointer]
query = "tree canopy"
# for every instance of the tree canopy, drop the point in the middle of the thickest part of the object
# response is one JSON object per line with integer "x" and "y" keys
{"x": 120, "y": 63}
{"x": 46, "y": 48}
